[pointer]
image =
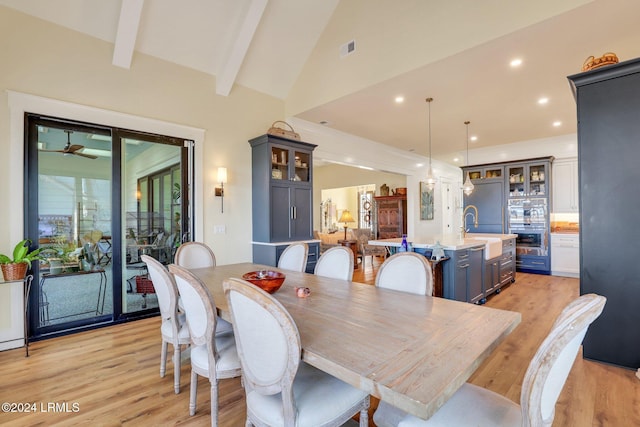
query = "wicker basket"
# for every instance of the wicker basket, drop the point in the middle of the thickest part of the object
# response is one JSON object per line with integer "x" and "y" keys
{"x": 14, "y": 271}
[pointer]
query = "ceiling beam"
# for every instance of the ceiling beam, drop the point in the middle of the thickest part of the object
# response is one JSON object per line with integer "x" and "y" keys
{"x": 128, "y": 24}
{"x": 231, "y": 65}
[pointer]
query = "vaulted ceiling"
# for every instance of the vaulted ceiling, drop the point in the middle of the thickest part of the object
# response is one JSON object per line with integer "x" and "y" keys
{"x": 457, "y": 52}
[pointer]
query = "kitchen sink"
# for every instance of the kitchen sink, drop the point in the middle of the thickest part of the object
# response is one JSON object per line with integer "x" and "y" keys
{"x": 492, "y": 247}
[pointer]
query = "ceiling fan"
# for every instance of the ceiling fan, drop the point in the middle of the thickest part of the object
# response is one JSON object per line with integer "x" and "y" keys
{"x": 72, "y": 149}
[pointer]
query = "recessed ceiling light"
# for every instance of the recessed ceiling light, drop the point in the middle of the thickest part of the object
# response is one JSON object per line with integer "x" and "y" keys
{"x": 516, "y": 62}
{"x": 543, "y": 101}
{"x": 473, "y": 138}
{"x": 456, "y": 159}
{"x": 419, "y": 165}
{"x": 399, "y": 99}
{"x": 557, "y": 123}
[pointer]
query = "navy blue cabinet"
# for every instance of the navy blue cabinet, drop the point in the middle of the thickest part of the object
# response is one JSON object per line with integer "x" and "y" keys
{"x": 462, "y": 275}
{"x": 488, "y": 196}
{"x": 282, "y": 197}
{"x": 514, "y": 197}
{"x": 608, "y": 107}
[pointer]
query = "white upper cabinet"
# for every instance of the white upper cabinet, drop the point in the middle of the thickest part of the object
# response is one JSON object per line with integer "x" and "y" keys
{"x": 565, "y": 185}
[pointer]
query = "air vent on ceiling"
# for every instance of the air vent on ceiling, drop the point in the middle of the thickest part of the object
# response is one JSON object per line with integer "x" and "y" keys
{"x": 347, "y": 48}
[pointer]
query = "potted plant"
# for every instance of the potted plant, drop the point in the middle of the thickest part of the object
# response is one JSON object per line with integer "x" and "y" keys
{"x": 16, "y": 268}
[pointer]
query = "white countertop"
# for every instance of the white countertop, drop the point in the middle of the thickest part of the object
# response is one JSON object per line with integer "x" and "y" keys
{"x": 451, "y": 242}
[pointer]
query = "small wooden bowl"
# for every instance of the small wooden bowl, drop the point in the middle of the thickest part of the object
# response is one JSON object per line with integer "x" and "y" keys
{"x": 267, "y": 280}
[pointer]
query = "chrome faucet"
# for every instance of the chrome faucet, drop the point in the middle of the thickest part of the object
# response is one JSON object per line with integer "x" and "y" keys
{"x": 464, "y": 218}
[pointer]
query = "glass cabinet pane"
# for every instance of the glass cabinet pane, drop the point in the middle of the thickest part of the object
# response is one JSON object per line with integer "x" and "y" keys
{"x": 493, "y": 173}
{"x": 279, "y": 163}
{"x": 475, "y": 174}
{"x": 301, "y": 166}
{"x": 537, "y": 182}
{"x": 516, "y": 181}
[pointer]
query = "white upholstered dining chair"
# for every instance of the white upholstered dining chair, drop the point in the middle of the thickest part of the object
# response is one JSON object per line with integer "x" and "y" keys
{"x": 406, "y": 272}
{"x": 199, "y": 255}
{"x": 336, "y": 262}
{"x": 294, "y": 257}
{"x": 173, "y": 327}
{"x": 281, "y": 389}
{"x": 475, "y": 406}
{"x": 212, "y": 355}
{"x": 194, "y": 255}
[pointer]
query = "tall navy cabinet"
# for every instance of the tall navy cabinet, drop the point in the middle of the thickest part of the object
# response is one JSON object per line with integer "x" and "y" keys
{"x": 608, "y": 101}
{"x": 282, "y": 198}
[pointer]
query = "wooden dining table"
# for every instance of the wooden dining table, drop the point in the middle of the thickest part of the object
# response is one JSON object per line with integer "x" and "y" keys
{"x": 412, "y": 351}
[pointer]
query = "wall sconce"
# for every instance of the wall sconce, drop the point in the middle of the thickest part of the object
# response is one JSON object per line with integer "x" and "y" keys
{"x": 222, "y": 179}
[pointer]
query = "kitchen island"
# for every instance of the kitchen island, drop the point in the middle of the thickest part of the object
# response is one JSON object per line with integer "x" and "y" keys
{"x": 479, "y": 264}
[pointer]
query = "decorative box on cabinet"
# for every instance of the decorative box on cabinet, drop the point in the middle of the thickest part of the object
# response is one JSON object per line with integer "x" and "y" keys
{"x": 392, "y": 216}
{"x": 282, "y": 193}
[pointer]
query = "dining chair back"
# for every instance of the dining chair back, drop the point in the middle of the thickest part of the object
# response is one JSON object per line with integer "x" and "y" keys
{"x": 195, "y": 255}
{"x": 200, "y": 255}
{"x": 550, "y": 366}
{"x": 336, "y": 262}
{"x": 294, "y": 257}
{"x": 363, "y": 235}
{"x": 173, "y": 328}
{"x": 281, "y": 389}
{"x": 545, "y": 377}
{"x": 406, "y": 272}
{"x": 212, "y": 355}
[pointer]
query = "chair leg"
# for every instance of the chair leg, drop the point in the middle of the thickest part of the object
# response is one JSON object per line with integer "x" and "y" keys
{"x": 192, "y": 395}
{"x": 177, "y": 363}
{"x": 364, "y": 413}
{"x": 214, "y": 403}
{"x": 163, "y": 358}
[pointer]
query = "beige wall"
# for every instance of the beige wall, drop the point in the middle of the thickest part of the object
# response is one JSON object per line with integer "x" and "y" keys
{"x": 338, "y": 176}
{"x": 53, "y": 62}
{"x": 42, "y": 59}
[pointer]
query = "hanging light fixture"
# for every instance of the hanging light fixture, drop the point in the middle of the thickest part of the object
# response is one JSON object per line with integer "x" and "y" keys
{"x": 430, "y": 180}
{"x": 467, "y": 187}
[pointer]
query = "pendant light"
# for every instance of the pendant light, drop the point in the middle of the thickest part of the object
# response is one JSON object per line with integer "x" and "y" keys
{"x": 430, "y": 180}
{"x": 467, "y": 187}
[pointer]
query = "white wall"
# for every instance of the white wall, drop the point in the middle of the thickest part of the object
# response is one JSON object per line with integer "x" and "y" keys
{"x": 350, "y": 150}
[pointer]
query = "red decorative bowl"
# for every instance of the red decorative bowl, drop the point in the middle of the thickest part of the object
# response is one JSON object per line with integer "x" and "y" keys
{"x": 267, "y": 280}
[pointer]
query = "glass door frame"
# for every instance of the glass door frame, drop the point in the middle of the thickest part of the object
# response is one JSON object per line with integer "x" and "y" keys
{"x": 31, "y": 173}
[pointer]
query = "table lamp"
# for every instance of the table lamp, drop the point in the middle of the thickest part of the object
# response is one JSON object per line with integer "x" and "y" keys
{"x": 345, "y": 218}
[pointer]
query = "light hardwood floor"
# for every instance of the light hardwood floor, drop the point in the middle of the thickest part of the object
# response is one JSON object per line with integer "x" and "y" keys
{"x": 110, "y": 376}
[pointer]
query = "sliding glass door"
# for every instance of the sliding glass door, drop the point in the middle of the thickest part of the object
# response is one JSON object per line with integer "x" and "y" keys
{"x": 96, "y": 199}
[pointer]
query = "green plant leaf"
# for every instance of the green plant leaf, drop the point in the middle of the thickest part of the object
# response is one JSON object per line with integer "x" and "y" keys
{"x": 20, "y": 250}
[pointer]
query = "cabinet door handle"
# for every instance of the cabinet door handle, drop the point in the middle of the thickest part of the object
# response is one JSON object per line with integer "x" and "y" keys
{"x": 292, "y": 212}
{"x": 477, "y": 249}
{"x": 463, "y": 266}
